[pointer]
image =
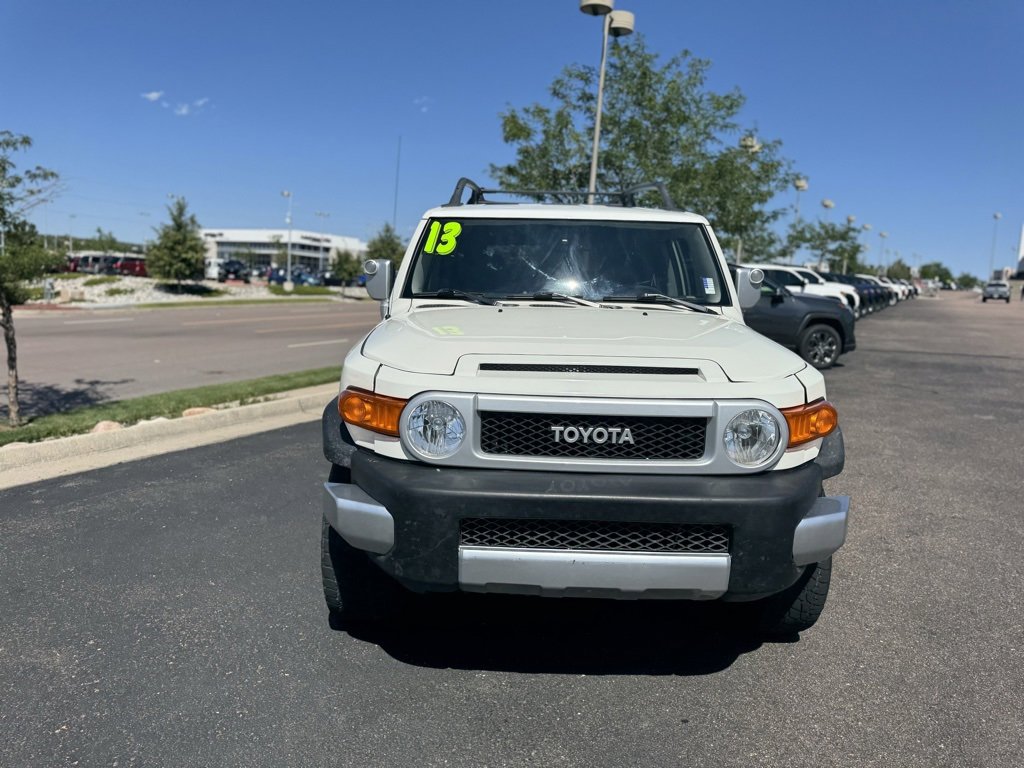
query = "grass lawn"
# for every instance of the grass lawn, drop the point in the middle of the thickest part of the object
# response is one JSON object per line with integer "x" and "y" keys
{"x": 168, "y": 404}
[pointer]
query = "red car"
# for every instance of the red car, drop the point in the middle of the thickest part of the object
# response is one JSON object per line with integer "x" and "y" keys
{"x": 131, "y": 265}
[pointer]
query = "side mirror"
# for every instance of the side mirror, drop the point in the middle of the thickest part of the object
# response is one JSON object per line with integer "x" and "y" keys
{"x": 379, "y": 278}
{"x": 748, "y": 286}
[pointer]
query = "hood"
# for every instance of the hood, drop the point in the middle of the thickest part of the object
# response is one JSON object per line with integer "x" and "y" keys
{"x": 432, "y": 340}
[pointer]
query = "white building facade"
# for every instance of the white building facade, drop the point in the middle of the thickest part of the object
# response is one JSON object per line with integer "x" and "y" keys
{"x": 263, "y": 247}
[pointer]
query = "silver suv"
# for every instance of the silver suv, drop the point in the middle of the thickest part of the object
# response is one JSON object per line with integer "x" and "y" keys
{"x": 997, "y": 289}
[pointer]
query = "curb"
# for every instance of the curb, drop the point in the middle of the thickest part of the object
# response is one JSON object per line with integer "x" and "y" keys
{"x": 21, "y": 463}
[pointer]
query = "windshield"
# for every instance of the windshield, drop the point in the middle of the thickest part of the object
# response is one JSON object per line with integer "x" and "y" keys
{"x": 502, "y": 258}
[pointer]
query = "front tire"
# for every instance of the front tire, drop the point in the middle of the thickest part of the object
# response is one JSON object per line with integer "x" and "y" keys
{"x": 799, "y": 607}
{"x": 820, "y": 345}
{"x": 356, "y": 591}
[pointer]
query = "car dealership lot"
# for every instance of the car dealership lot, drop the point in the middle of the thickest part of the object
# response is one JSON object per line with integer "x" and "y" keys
{"x": 167, "y": 612}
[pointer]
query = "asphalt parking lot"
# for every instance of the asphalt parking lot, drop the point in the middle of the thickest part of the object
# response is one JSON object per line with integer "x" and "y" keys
{"x": 167, "y": 612}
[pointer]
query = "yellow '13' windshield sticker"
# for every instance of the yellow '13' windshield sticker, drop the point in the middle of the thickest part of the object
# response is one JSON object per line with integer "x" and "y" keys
{"x": 448, "y": 235}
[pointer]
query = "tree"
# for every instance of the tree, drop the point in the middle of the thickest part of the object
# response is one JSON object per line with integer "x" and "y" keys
{"x": 179, "y": 253}
{"x": 659, "y": 123}
{"x": 386, "y": 244}
{"x": 105, "y": 241}
{"x": 966, "y": 281}
{"x": 22, "y": 256}
{"x": 346, "y": 267}
{"x": 898, "y": 270}
{"x": 833, "y": 244}
{"x": 936, "y": 270}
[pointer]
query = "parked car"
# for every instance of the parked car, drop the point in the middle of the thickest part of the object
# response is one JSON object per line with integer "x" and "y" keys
{"x": 791, "y": 278}
{"x": 559, "y": 401}
{"x": 997, "y": 289}
{"x": 330, "y": 278}
{"x": 818, "y": 329}
{"x": 300, "y": 276}
{"x": 872, "y": 297}
{"x": 233, "y": 269}
{"x": 134, "y": 266}
{"x": 817, "y": 279}
{"x": 891, "y": 296}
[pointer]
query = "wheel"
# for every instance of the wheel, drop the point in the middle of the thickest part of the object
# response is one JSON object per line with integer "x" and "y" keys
{"x": 1007, "y": 299}
{"x": 820, "y": 346}
{"x": 984, "y": 299}
{"x": 355, "y": 590}
{"x": 799, "y": 607}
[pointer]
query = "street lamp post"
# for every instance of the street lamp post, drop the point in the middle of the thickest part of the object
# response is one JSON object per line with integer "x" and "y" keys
{"x": 800, "y": 185}
{"x": 323, "y": 216}
{"x": 616, "y": 24}
{"x": 991, "y": 259}
{"x": 288, "y": 285}
{"x": 866, "y": 228}
{"x": 881, "y": 249}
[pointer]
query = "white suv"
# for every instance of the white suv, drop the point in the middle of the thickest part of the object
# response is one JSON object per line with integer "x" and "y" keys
{"x": 564, "y": 400}
{"x": 802, "y": 280}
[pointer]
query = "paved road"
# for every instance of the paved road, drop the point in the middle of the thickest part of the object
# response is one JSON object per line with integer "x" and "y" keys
{"x": 70, "y": 358}
{"x": 167, "y": 612}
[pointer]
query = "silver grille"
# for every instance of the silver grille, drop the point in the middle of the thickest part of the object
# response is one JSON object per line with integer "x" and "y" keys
{"x": 653, "y": 437}
{"x": 593, "y": 535}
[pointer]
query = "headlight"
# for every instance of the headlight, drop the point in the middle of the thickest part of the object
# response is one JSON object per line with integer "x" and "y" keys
{"x": 751, "y": 437}
{"x": 436, "y": 429}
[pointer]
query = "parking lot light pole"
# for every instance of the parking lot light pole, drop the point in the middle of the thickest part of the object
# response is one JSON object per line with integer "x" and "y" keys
{"x": 323, "y": 216}
{"x": 616, "y": 24}
{"x": 992, "y": 258}
{"x": 288, "y": 285}
{"x": 881, "y": 247}
{"x": 866, "y": 228}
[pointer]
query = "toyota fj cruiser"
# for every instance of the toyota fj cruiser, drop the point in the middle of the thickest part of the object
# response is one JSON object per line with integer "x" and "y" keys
{"x": 563, "y": 400}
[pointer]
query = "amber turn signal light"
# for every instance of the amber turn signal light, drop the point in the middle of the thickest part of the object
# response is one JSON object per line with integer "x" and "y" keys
{"x": 809, "y": 422}
{"x": 369, "y": 411}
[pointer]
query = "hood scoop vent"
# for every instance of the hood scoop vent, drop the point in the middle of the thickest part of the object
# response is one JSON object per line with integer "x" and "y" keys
{"x": 627, "y": 370}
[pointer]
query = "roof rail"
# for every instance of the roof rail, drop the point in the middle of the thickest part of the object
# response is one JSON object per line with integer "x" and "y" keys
{"x": 626, "y": 198}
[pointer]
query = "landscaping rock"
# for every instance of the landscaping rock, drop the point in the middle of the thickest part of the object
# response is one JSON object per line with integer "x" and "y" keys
{"x": 107, "y": 426}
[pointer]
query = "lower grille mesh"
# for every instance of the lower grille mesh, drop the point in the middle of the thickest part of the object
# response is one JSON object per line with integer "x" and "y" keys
{"x": 594, "y": 535}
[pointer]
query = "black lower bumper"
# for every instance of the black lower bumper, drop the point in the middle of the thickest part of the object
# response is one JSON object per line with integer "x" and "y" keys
{"x": 428, "y": 504}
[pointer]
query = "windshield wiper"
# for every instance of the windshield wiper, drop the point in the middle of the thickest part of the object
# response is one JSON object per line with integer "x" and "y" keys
{"x": 455, "y": 293}
{"x": 555, "y": 296}
{"x": 661, "y": 298}
{"x": 550, "y": 296}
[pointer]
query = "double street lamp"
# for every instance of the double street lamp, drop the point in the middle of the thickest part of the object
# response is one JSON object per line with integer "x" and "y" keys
{"x": 616, "y": 24}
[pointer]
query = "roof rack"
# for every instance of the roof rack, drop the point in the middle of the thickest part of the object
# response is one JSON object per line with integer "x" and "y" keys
{"x": 626, "y": 198}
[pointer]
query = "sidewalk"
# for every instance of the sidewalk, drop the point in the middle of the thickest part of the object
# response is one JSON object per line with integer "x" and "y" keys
{"x": 22, "y": 463}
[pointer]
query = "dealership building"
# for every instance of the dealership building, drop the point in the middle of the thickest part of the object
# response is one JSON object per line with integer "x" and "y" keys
{"x": 261, "y": 247}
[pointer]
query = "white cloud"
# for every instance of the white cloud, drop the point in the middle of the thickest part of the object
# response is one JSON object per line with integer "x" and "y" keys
{"x": 200, "y": 103}
{"x": 153, "y": 95}
{"x": 423, "y": 102}
{"x": 182, "y": 110}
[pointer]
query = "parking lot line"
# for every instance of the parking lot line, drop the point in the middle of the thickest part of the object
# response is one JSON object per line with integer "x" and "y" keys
{"x": 242, "y": 320}
{"x": 317, "y": 343}
{"x": 321, "y": 327}
{"x": 95, "y": 322}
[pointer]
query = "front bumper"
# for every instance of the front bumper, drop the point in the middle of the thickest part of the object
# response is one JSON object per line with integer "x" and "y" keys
{"x": 408, "y": 516}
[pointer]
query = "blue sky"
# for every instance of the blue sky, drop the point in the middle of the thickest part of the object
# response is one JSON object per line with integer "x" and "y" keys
{"x": 909, "y": 115}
